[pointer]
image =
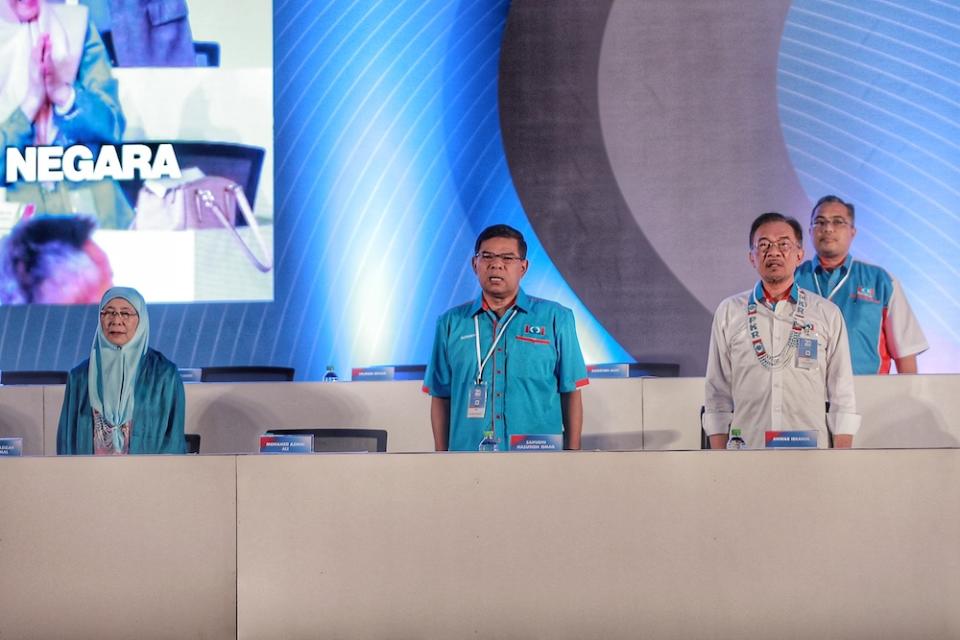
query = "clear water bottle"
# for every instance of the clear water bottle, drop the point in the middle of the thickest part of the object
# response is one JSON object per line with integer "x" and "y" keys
{"x": 330, "y": 375}
{"x": 489, "y": 442}
{"x": 735, "y": 441}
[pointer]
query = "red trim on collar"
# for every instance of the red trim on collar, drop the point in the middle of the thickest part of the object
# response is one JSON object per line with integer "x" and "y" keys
{"x": 486, "y": 307}
{"x": 785, "y": 296}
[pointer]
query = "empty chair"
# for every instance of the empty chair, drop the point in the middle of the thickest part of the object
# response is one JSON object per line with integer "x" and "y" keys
{"x": 193, "y": 442}
{"x": 342, "y": 440}
{"x": 33, "y": 377}
{"x": 246, "y": 374}
{"x": 654, "y": 370}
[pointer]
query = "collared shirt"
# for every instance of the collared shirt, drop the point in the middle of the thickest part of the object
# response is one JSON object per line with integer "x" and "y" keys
{"x": 536, "y": 360}
{"x": 880, "y": 322}
{"x": 742, "y": 393}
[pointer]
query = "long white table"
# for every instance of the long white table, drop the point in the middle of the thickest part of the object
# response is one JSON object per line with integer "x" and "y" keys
{"x": 631, "y": 414}
{"x": 756, "y": 544}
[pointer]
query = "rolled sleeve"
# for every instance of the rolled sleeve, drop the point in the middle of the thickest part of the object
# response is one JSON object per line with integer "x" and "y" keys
{"x": 903, "y": 333}
{"x": 843, "y": 423}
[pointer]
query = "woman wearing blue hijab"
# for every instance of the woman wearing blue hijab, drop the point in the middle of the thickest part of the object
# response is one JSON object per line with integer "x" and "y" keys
{"x": 126, "y": 398}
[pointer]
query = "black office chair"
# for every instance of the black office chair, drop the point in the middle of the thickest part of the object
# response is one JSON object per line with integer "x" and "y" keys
{"x": 409, "y": 371}
{"x": 246, "y": 374}
{"x": 704, "y": 440}
{"x": 654, "y": 370}
{"x": 193, "y": 442}
{"x": 33, "y": 377}
{"x": 207, "y": 53}
{"x": 341, "y": 440}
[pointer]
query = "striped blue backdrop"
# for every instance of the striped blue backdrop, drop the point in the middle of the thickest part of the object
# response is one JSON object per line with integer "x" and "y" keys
{"x": 388, "y": 162}
{"x": 869, "y": 94}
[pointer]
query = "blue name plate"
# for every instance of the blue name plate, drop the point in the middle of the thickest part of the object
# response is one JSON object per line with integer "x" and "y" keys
{"x": 790, "y": 439}
{"x": 11, "y": 446}
{"x": 286, "y": 443}
{"x": 372, "y": 374}
{"x": 534, "y": 442}
{"x": 616, "y": 370}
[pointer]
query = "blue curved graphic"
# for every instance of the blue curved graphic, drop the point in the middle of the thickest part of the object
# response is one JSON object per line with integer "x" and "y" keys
{"x": 390, "y": 161}
{"x": 869, "y": 96}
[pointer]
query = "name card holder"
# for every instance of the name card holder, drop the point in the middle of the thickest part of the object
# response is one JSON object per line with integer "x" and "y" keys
{"x": 790, "y": 439}
{"x": 11, "y": 447}
{"x": 271, "y": 443}
{"x": 536, "y": 442}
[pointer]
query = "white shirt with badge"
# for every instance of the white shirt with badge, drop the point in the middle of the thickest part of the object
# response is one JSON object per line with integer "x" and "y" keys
{"x": 774, "y": 368}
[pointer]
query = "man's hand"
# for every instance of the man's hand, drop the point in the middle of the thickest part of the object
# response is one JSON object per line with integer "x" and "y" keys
{"x": 36, "y": 94}
{"x": 440, "y": 422}
{"x": 59, "y": 90}
{"x": 842, "y": 441}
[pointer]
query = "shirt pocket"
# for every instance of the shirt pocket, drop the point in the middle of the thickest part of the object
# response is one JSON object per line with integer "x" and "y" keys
{"x": 532, "y": 358}
{"x": 740, "y": 338}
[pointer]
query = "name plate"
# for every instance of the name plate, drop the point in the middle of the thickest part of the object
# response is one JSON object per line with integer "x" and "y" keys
{"x": 790, "y": 439}
{"x": 615, "y": 370}
{"x": 535, "y": 442}
{"x": 372, "y": 374}
{"x": 11, "y": 446}
{"x": 270, "y": 443}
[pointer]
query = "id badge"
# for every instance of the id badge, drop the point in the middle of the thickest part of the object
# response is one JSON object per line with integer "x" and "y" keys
{"x": 477, "y": 401}
{"x": 807, "y": 353}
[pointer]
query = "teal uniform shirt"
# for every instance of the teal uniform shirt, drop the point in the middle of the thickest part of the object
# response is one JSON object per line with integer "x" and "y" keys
{"x": 536, "y": 360}
{"x": 880, "y": 322}
{"x": 158, "y": 411}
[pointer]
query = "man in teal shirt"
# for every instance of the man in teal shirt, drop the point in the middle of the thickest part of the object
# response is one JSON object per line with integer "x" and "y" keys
{"x": 506, "y": 362}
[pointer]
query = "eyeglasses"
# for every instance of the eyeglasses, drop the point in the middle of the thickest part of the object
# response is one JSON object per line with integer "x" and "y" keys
{"x": 507, "y": 258}
{"x": 124, "y": 316}
{"x": 822, "y": 223}
{"x": 764, "y": 246}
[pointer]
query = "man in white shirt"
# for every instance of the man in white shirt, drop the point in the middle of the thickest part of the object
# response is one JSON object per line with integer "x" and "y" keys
{"x": 779, "y": 355}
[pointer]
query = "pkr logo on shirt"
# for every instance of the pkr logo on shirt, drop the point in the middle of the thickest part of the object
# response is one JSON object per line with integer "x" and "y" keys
{"x": 867, "y": 294}
{"x": 534, "y": 334}
{"x": 534, "y": 330}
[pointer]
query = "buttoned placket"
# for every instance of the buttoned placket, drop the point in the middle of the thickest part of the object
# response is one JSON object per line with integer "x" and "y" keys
{"x": 777, "y": 339}
{"x": 497, "y": 381}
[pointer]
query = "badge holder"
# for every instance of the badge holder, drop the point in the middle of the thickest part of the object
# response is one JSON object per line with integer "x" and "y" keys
{"x": 477, "y": 402}
{"x": 807, "y": 349}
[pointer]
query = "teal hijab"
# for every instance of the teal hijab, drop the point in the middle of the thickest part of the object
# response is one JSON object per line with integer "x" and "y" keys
{"x": 113, "y": 369}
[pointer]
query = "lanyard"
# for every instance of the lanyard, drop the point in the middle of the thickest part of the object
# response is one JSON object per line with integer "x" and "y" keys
{"x": 778, "y": 361}
{"x": 476, "y": 326}
{"x": 816, "y": 281}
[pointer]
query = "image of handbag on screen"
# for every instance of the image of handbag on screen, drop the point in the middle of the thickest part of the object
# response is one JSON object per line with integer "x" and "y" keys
{"x": 198, "y": 201}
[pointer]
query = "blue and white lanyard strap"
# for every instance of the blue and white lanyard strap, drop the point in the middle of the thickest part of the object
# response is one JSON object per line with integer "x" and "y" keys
{"x": 780, "y": 360}
{"x": 476, "y": 327}
{"x": 816, "y": 281}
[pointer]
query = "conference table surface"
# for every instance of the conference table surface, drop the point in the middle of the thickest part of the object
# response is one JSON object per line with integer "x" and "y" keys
{"x": 670, "y": 544}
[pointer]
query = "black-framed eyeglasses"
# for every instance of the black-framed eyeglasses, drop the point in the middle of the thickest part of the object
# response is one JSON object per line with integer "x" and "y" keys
{"x": 506, "y": 258}
{"x": 764, "y": 246}
{"x": 124, "y": 316}
{"x": 822, "y": 223}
